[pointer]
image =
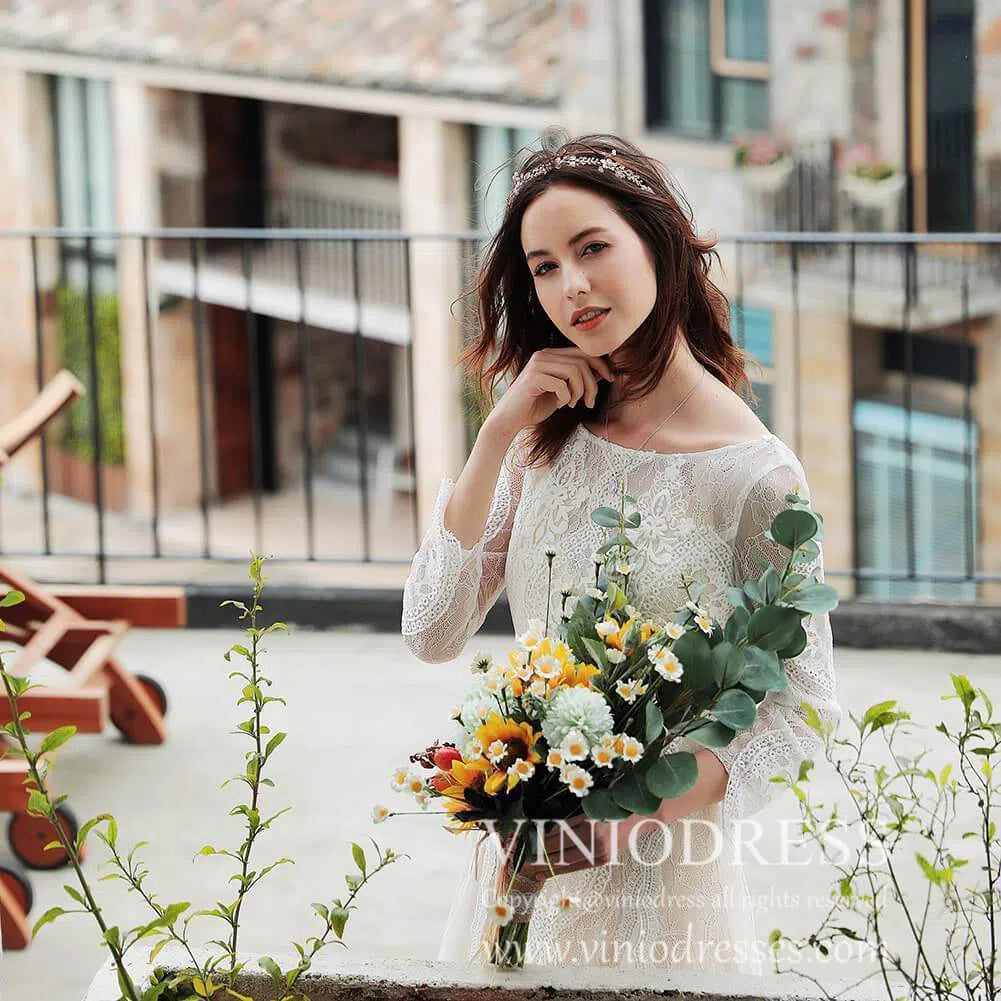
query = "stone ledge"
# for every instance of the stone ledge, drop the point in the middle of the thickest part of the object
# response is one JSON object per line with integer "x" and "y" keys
{"x": 859, "y": 624}
{"x": 389, "y": 979}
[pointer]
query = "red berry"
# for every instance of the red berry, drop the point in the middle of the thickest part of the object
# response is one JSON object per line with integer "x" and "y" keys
{"x": 444, "y": 757}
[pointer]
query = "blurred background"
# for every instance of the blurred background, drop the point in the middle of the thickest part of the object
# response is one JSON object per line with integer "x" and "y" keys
{"x": 247, "y": 227}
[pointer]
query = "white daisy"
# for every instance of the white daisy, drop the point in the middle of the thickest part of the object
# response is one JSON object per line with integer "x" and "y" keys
{"x": 472, "y": 749}
{"x": 496, "y": 751}
{"x": 423, "y": 799}
{"x": 578, "y": 780}
{"x": 694, "y": 608}
{"x": 415, "y": 784}
{"x": 501, "y": 912}
{"x": 556, "y": 759}
{"x": 379, "y": 813}
{"x": 575, "y": 746}
{"x": 607, "y": 628}
{"x": 399, "y": 780}
{"x": 624, "y": 568}
{"x": 595, "y": 593}
{"x": 615, "y": 656}
{"x": 538, "y": 688}
{"x": 522, "y": 768}
{"x": 704, "y": 623}
{"x": 666, "y": 664}
{"x": 603, "y": 757}
{"x": 675, "y": 630}
{"x": 608, "y": 741}
{"x": 632, "y": 749}
{"x": 547, "y": 667}
{"x": 626, "y": 690}
{"x": 534, "y": 635}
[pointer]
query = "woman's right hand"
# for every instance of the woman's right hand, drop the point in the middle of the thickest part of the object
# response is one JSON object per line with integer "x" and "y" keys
{"x": 553, "y": 378}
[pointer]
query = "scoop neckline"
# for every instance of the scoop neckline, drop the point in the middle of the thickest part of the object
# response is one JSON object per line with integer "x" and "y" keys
{"x": 674, "y": 455}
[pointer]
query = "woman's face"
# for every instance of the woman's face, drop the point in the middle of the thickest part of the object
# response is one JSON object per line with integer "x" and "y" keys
{"x": 610, "y": 268}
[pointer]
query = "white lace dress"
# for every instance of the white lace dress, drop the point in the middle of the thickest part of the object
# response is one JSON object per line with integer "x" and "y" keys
{"x": 704, "y": 515}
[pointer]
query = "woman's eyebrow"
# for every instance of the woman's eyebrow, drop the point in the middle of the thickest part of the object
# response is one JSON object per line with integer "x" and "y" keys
{"x": 573, "y": 240}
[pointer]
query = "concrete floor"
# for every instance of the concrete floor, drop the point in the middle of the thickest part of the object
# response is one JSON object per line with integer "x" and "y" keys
{"x": 358, "y": 704}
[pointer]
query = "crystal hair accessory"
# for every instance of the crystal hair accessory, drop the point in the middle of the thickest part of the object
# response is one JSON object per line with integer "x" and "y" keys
{"x": 603, "y": 163}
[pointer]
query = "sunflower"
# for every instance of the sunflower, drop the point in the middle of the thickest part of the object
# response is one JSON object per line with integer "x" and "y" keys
{"x": 518, "y": 738}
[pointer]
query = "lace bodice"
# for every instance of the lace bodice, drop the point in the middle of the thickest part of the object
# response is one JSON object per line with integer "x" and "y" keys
{"x": 705, "y": 516}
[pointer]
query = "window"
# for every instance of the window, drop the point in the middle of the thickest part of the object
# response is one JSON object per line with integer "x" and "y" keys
{"x": 751, "y": 329}
{"x": 707, "y": 66}
{"x": 943, "y": 499}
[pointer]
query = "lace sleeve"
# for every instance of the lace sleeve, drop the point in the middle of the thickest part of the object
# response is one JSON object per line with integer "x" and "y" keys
{"x": 779, "y": 739}
{"x": 450, "y": 589}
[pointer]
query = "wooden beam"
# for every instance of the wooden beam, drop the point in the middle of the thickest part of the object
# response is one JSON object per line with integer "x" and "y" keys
{"x": 50, "y": 708}
{"x": 60, "y": 390}
{"x": 144, "y": 607}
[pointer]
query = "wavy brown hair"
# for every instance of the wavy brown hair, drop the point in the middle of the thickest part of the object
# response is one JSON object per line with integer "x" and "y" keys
{"x": 513, "y": 325}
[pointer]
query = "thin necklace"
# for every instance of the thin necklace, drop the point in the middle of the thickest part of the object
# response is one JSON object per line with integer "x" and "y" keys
{"x": 666, "y": 419}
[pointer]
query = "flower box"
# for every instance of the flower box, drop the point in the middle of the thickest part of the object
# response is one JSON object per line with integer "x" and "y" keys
{"x": 768, "y": 178}
{"x": 870, "y": 194}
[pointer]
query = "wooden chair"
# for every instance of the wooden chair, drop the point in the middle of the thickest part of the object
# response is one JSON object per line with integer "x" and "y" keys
{"x": 77, "y": 628}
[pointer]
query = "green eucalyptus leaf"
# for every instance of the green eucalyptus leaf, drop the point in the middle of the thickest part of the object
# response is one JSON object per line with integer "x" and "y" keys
{"x": 598, "y": 804}
{"x": 654, "y": 722}
{"x": 712, "y": 735}
{"x": 672, "y": 774}
{"x": 631, "y": 793}
{"x": 727, "y": 664}
{"x": 793, "y": 527}
{"x": 796, "y": 645}
{"x": 735, "y": 709}
{"x": 763, "y": 670}
{"x": 813, "y": 598}
{"x": 695, "y": 654}
{"x": 772, "y": 627}
{"x": 606, "y": 517}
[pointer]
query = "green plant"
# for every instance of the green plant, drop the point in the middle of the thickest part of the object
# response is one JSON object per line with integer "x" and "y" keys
{"x": 74, "y": 353}
{"x": 214, "y": 977}
{"x": 906, "y": 815}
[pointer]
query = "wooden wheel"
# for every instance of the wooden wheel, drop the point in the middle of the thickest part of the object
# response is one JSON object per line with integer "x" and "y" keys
{"x": 29, "y": 835}
{"x": 16, "y": 899}
{"x": 132, "y": 699}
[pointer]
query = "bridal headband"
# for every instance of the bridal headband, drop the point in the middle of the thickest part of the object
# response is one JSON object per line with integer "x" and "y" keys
{"x": 603, "y": 163}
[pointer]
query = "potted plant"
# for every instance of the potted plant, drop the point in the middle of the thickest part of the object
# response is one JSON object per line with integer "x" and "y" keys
{"x": 868, "y": 181}
{"x": 764, "y": 163}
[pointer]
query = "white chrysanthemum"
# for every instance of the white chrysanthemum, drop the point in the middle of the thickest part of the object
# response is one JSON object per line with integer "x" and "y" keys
{"x": 596, "y": 593}
{"x": 379, "y": 813}
{"x": 607, "y": 628}
{"x": 501, "y": 912}
{"x": 522, "y": 768}
{"x": 577, "y": 708}
{"x": 675, "y": 630}
{"x": 534, "y": 635}
{"x": 603, "y": 757}
{"x": 538, "y": 688}
{"x": 632, "y": 749}
{"x": 666, "y": 664}
{"x": 615, "y": 656}
{"x": 578, "y": 780}
{"x": 399, "y": 780}
{"x": 496, "y": 751}
{"x": 575, "y": 746}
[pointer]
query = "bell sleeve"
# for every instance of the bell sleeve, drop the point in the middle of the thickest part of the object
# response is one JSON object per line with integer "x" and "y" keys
{"x": 450, "y": 588}
{"x": 779, "y": 739}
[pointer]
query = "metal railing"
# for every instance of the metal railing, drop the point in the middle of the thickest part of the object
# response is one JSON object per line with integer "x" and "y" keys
{"x": 251, "y": 315}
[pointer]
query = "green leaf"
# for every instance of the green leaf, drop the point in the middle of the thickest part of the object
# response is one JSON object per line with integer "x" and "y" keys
{"x": 654, "y": 722}
{"x": 273, "y": 743}
{"x": 813, "y": 598}
{"x": 112, "y": 936}
{"x": 359, "y": 856}
{"x": 791, "y": 528}
{"x": 769, "y": 585}
{"x": 735, "y": 630}
{"x": 607, "y": 517}
{"x": 156, "y": 950}
{"x": 737, "y": 598}
{"x": 796, "y": 646}
{"x": 599, "y": 805}
{"x": 56, "y": 738}
{"x": 12, "y": 597}
{"x": 695, "y": 654}
{"x": 772, "y": 627}
{"x": 632, "y": 794}
{"x": 50, "y": 915}
{"x": 672, "y": 774}
{"x": 338, "y": 919}
{"x": 633, "y": 520}
{"x": 75, "y": 894}
{"x": 763, "y": 670}
{"x": 596, "y": 651}
{"x": 727, "y": 664}
{"x": 735, "y": 709}
{"x": 38, "y": 803}
{"x": 812, "y": 718}
{"x": 270, "y": 967}
{"x": 712, "y": 735}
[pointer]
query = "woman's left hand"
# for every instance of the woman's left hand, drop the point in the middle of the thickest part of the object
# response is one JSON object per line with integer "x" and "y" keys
{"x": 608, "y": 846}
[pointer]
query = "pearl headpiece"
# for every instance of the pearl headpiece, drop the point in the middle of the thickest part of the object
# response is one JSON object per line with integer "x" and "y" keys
{"x": 603, "y": 163}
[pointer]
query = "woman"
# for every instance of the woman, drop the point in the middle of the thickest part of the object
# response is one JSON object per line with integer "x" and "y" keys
{"x": 594, "y": 294}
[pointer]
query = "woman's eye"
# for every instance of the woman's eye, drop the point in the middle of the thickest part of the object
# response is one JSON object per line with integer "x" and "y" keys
{"x": 538, "y": 271}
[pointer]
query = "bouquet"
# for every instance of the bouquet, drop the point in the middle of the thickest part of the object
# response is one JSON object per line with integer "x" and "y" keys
{"x": 580, "y": 723}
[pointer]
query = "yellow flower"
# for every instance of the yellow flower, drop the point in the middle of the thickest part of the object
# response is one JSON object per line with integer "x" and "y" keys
{"x": 576, "y": 675}
{"x": 518, "y": 741}
{"x": 615, "y": 638}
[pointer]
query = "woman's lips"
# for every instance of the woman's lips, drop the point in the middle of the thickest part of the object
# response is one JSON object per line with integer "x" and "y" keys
{"x": 588, "y": 324}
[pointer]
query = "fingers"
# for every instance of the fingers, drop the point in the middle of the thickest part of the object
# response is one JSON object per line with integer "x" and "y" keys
{"x": 554, "y": 384}
{"x": 598, "y": 364}
{"x": 577, "y": 373}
